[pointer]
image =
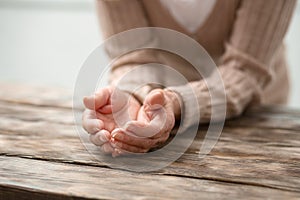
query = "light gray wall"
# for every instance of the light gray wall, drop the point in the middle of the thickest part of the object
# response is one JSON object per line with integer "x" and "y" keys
{"x": 45, "y": 42}
{"x": 293, "y": 55}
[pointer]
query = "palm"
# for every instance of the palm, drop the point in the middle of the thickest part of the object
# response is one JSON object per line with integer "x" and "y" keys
{"x": 153, "y": 119}
{"x": 152, "y": 127}
{"x": 125, "y": 110}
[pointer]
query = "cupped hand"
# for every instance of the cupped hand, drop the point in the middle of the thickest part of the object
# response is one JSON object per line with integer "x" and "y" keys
{"x": 106, "y": 110}
{"x": 155, "y": 120}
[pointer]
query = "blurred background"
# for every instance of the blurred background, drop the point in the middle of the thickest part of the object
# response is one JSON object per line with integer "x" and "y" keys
{"x": 45, "y": 42}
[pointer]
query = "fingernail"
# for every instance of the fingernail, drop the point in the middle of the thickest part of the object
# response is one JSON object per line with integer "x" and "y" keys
{"x": 129, "y": 127}
{"x": 118, "y": 151}
{"x": 119, "y": 136}
{"x": 106, "y": 148}
{"x": 87, "y": 98}
{"x": 147, "y": 106}
{"x": 103, "y": 138}
{"x": 114, "y": 133}
{"x": 118, "y": 144}
{"x": 96, "y": 123}
{"x": 113, "y": 143}
{"x": 96, "y": 129}
{"x": 115, "y": 153}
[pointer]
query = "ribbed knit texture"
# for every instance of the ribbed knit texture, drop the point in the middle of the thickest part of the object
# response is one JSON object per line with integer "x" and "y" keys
{"x": 245, "y": 39}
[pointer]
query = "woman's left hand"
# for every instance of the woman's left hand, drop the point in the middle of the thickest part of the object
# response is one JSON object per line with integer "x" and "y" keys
{"x": 156, "y": 119}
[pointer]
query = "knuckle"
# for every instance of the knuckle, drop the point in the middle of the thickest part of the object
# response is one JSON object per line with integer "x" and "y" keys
{"x": 148, "y": 143}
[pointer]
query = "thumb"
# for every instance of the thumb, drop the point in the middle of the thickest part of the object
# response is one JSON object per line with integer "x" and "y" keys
{"x": 154, "y": 100}
{"x": 98, "y": 100}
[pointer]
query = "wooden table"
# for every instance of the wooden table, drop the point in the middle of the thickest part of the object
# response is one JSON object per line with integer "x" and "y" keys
{"x": 41, "y": 156}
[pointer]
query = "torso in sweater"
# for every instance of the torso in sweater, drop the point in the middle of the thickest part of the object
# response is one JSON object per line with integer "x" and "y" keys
{"x": 211, "y": 33}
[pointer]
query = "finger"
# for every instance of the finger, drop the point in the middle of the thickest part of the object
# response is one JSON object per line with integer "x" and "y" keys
{"x": 140, "y": 129}
{"x": 107, "y": 148}
{"x": 117, "y": 152}
{"x": 128, "y": 148}
{"x": 119, "y": 99}
{"x": 144, "y": 143}
{"x": 107, "y": 109}
{"x": 154, "y": 100}
{"x": 90, "y": 122}
{"x": 100, "y": 137}
{"x": 89, "y": 114}
{"x": 145, "y": 129}
{"x": 92, "y": 126}
{"x": 98, "y": 100}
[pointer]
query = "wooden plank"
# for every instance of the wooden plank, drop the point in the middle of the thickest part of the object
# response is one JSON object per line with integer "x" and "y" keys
{"x": 275, "y": 117}
{"x": 241, "y": 155}
{"x": 50, "y": 180}
{"x": 261, "y": 148}
{"x": 41, "y": 96}
{"x": 13, "y": 192}
{"x": 273, "y": 111}
{"x": 262, "y": 121}
{"x": 263, "y": 117}
{"x": 60, "y": 97}
{"x": 34, "y": 113}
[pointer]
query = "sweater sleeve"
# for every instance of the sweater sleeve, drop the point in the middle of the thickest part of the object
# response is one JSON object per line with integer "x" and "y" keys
{"x": 119, "y": 16}
{"x": 257, "y": 33}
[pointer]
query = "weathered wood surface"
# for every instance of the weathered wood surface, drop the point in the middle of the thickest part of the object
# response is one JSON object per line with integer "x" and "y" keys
{"x": 41, "y": 156}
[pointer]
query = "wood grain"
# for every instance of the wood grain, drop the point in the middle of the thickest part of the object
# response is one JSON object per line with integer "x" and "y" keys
{"x": 258, "y": 154}
{"x": 239, "y": 152}
{"x": 36, "y": 95}
{"x": 50, "y": 179}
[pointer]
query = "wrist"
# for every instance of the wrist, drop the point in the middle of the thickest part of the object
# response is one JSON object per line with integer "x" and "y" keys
{"x": 141, "y": 92}
{"x": 175, "y": 100}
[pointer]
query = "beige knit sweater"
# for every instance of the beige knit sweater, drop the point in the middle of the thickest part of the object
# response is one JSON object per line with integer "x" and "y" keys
{"x": 244, "y": 37}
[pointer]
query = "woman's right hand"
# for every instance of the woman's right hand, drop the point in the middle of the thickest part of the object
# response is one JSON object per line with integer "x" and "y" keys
{"x": 106, "y": 110}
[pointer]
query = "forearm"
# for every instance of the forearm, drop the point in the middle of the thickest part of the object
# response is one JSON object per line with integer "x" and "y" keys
{"x": 240, "y": 91}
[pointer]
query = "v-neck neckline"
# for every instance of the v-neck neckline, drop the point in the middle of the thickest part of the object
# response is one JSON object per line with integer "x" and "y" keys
{"x": 190, "y": 14}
